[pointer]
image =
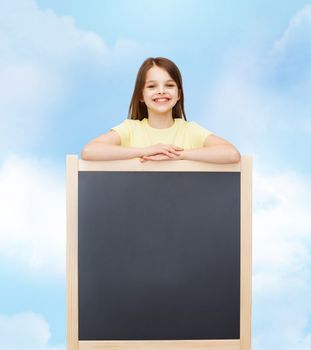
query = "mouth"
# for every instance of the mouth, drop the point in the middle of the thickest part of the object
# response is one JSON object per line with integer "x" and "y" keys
{"x": 161, "y": 100}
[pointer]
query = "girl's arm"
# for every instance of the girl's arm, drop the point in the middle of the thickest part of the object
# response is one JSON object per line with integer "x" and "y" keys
{"x": 108, "y": 147}
{"x": 215, "y": 150}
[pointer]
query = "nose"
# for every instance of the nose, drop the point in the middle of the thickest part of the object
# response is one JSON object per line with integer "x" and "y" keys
{"x": 161, "y": 89}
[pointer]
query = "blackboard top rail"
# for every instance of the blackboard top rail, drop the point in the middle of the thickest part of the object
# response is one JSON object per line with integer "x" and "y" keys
{"x": 135, "y": 165}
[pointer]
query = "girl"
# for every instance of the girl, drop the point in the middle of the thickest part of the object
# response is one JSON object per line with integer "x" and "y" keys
{"x": 157, "y": 128}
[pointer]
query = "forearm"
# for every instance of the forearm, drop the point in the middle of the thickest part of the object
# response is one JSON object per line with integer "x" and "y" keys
{"x": 102, "y": 151}
{"x": 221, "y": 154}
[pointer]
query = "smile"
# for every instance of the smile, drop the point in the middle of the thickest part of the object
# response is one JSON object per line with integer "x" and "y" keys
{"x": 161, "y": 100}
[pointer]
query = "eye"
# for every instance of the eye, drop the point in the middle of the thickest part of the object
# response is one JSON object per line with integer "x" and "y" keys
{"x": 169, "y": 85}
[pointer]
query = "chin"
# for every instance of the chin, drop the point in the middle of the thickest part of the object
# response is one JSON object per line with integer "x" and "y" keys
{"x": 162, "y": 108}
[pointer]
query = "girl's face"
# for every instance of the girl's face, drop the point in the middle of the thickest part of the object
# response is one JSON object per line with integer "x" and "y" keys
{"x": 160, "y": 92}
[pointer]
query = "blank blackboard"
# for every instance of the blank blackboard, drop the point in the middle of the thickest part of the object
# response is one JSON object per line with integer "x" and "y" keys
{"x": 158, "y": 255}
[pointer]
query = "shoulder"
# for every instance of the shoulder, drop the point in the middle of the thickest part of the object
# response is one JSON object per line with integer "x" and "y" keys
{"x": 196, "y": 125}
{"x": 129, "y": 123}
{"x": 192, "y": 124}
{"x": 181, "y": 122}
{"x": 133, "y": 122}
{"x": 189, "y": 126}
{"x": 198, "y": 130}
{"x": 184, "y": 122}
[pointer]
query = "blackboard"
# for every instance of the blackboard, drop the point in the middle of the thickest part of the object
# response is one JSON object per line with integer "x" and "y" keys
{"x": 158, "y": 255}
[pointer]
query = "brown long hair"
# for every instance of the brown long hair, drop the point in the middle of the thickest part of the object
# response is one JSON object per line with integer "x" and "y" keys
{"x": 138, "y": 110}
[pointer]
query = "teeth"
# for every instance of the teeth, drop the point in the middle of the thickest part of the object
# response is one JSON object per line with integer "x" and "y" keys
{"x": 161, "y": 99}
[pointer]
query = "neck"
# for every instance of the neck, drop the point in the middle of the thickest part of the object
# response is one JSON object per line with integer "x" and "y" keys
{"x": 160, "y": 121}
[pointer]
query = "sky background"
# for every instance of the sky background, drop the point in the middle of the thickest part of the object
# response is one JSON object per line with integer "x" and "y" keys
{"x": 67, "y": 72}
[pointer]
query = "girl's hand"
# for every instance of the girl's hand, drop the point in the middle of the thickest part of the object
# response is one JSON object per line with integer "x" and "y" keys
{"x": 160, "y": 157}
{"x": 160, "y": 148}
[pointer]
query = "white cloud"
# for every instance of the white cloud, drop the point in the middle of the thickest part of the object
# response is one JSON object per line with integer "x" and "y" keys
{"x": 298, "y": 32}
{"x": 38, "y": 50}
{"x": 25, "y": 331}
{"x": 30, "y": 33}
{"x": 260, "y": 98}
{"x": 281, "y": 261}
{"x": 33, "y": 209}
{"x": 289, "y": 58}
{"x": 43, "y": 58}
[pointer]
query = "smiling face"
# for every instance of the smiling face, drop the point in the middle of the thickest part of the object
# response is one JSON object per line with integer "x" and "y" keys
{"x": 160, "y": 92}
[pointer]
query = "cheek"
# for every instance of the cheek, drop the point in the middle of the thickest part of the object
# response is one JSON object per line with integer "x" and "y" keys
{"x": 147, "y": 94}
{"x": 176, "y": 92}
{"x": 176, "y": 96}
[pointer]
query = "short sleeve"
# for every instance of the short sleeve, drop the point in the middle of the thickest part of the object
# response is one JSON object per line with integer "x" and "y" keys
{"x": 124, "y": 132}
{"x": 200, "y": 133}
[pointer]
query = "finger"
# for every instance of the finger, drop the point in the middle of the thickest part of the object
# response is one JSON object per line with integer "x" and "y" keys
{"x": 170, "y": 154}
{"x": 177, "y": 156}
{"x": 177, "y": 152}
{"x": 159, "y": 157}
{"x": 176, "y": 147}
{"x": 166, "y": 153}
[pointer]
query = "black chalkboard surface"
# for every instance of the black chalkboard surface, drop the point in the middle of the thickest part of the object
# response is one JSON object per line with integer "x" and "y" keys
{"x": 158, "y": 255}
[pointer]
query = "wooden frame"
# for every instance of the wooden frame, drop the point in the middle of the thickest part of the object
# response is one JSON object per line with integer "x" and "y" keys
{"x": 73, "y": 166}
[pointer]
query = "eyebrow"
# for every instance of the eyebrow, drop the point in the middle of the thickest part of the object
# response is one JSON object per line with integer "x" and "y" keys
{"x": 149, "y": 81}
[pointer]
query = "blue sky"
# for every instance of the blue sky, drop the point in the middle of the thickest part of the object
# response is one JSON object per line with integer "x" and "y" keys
{"x": 67, "y": 72}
